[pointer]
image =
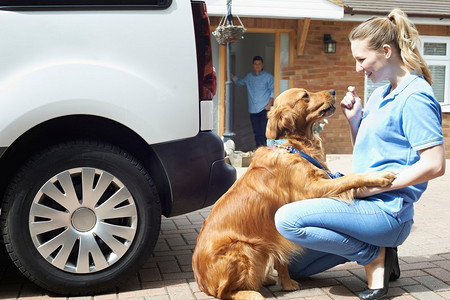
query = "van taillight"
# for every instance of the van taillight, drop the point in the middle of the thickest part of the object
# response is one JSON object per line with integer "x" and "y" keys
{"x": 207, "y": 79}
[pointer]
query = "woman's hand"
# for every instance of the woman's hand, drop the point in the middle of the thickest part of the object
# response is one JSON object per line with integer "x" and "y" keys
{"x": 351, "y": 106}
{"x": 430, "y": 165}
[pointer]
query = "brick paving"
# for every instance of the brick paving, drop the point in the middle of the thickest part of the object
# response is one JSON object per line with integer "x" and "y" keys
{"x": 424, "y": 260}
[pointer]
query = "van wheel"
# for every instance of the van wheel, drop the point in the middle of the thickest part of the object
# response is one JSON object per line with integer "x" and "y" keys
{"x": 80, "y": 217}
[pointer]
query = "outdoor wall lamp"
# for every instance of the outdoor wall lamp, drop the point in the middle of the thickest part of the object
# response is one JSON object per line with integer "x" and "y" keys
{"x": 329, "y": 44}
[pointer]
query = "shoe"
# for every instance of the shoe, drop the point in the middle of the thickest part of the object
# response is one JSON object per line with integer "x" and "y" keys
{"x": 395, "y": 274}
{"x": 374, "y": 294}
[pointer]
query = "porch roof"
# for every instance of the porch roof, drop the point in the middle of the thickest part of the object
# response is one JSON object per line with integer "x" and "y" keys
{"x": 414, "y": 8}
{"x": 314, "y": 9}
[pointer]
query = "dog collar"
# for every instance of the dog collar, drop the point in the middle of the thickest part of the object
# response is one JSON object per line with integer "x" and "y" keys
{"x": 290, "y": 149}
{"x": 275, "y": 142}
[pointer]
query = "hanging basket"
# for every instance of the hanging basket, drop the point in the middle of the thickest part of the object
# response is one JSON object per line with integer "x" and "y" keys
{"x": 229, "y": 33}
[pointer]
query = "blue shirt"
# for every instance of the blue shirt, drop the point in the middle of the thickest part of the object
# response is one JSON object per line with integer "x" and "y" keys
{"x": 259, "y": 90}
{"x": 393, "y": 128}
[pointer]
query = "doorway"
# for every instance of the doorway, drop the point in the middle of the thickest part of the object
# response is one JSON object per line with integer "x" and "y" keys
{"x": 275, "y": 48}
{"x": 242, "y": 53}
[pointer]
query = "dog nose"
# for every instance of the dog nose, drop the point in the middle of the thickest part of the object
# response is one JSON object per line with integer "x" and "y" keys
{"x": 333, "y": 92}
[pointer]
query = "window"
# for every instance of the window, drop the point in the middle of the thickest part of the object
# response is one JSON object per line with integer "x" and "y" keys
{"x": 285, "y": 47}
{"x": 370, "y": 87}
{"x": 87, "y": 4}
{"x": 436, "y": 52}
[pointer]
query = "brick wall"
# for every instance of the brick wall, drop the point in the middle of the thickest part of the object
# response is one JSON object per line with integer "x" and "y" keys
{"x": 446, "y": 130}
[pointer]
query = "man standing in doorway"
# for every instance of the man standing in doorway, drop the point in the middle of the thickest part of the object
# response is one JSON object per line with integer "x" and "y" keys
{"x": 260, "y": 98}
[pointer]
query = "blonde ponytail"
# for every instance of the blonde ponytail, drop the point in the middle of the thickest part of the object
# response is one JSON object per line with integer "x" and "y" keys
{"x": 399, "y": 32}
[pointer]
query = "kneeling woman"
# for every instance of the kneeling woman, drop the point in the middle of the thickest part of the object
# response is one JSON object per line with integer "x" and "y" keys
{"x": 399, "y": 131}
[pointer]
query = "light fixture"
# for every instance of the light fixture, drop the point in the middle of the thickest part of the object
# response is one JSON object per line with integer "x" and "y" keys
{"x": 329, "y": 44}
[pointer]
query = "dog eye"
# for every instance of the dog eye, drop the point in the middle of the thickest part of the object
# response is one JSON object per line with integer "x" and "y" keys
{"x": 306, "y": 95}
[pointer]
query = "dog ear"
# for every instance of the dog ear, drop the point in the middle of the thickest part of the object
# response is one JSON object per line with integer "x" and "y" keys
{"x": 271, "y": 128}
{"x": 281, "y": 119}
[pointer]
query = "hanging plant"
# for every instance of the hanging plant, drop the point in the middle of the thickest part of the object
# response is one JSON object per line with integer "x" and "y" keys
{"x": 229, "y": 33}
{"x": 226, "y": 31}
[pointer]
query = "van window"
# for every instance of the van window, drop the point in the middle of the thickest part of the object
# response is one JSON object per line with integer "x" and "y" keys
{"x": 88, "y": 4}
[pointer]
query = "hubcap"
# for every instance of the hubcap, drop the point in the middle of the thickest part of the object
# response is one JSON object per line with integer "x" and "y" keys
{"x": 83, "y": 220}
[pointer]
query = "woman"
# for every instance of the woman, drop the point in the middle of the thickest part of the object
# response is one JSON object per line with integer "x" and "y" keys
{"x": 400, "y": 131}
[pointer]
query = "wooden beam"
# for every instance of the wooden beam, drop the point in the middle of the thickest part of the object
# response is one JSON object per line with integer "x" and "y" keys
{"x": 276, "y": 67}
{"x": 302, "y": 34}
{"x": 291, "y": 56}
{"x": 222, "y": 78}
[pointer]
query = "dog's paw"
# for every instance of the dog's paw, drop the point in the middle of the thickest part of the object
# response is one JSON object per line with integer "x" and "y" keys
{"x": 290, "y": 285}
{"x": 247, "y": 295}
{"x": 383, "y": 178}
{"x": 270, "y": 281}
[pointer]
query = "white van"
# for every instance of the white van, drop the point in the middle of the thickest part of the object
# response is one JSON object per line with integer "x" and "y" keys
{"x": 105, "y": 125}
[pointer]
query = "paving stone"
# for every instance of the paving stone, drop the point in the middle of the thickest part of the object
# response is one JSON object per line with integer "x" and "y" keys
{"x": 421, "y": 292}
{"x": 439, "y": 273}
{"x": 444, "y": 295}
{"x": 353, "y": 283}
{"x": 178, "y": 275}
{"x": 339, "y": 292}
{"x": 154, "y": 289}
{"x": 313, "y": 292}
{"x": 433, "y": 283}
{"x": 169, "y": 266}
{"x": 162, "y": 297}
{"x": 179, "y": 290}
{"x": 184, "y": 259}
{"x": 175, "y": 240}
{"x": 402, "y": 281}
{"x": 412, "y": 273}
{"x": 167, "y": 225}
{"x": 151, "y": 274}
{"x": 321, "y": 297}
{"x": 105, "y": 297}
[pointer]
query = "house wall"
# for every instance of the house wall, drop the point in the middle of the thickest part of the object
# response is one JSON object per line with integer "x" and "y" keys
{"x": 316, "y": 70}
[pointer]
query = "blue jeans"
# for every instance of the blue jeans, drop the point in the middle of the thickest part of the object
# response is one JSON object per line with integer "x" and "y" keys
{"x": 334, "y": 232}
{"x": 259, "y": 124}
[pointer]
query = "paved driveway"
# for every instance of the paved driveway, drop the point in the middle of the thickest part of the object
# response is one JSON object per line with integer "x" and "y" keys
{"x": 424, "y": 260}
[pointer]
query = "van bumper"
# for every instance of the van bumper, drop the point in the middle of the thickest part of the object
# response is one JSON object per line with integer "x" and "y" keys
{"x": 196, "y": 171}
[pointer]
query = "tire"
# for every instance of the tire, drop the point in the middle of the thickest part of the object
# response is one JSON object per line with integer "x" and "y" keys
{"x": 84, "y": 240}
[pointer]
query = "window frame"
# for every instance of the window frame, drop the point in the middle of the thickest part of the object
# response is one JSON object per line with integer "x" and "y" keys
{"x": 439, "y": 61}
{"x": 33, "y": 5}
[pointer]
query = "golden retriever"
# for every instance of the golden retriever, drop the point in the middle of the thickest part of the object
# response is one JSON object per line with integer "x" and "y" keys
{"x": 238, "y": 244}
